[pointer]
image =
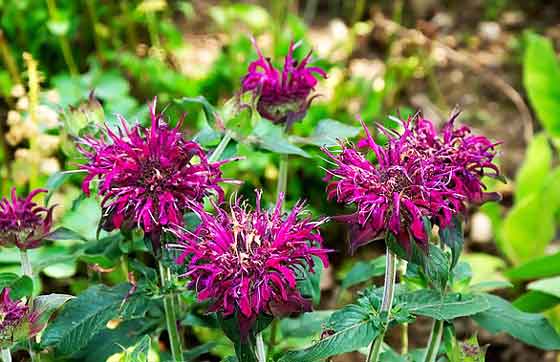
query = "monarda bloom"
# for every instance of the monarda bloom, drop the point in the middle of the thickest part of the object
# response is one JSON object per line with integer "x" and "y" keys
{"x": 148, "y": 177}
{"x": 23, "y": 223}
{"x": 394, "y": 193}
{"x": 249, "y": 261}
{"x": 16, "y": 321}
{"x": 283, "y": 95}
{"x": 469, "y": 156}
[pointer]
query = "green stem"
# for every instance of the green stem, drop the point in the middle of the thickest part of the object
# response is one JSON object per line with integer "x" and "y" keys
{"x": 404, "y": 326}
{"x": 27, "y": 270}
{"x": 94, "y": 21}
{"x": 386, "y": 303}
{"x": 435, "y": 340}
{"x": 261, "y": 352}
{"x": 6, "y": 355}
{"x": 282, "y": 176}
{"x": 153, "y": 29}
{"x": 171, "y": 316}
{"x": 215, "y": 156}
{"x": 63, "y": 40}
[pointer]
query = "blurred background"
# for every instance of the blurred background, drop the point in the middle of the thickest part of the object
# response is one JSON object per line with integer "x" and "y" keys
{"x": 495, "y": 60}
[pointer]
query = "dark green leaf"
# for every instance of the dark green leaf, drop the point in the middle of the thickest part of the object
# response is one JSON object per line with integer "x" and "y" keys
{"x": 83, "y": 317}
{"x": 309, "y": 282}
{"x": 530, "y": 328}
{"x": 141, "y": 349}
{"x": 6, "y": 279}
{"x": 452, "y": 236}
{"x": 209, "y": 110}
{"x": 306, "y": 325}
{"x": 21, "y": 287}
{"x": 349, "y": 329}
{"x": 364, "y": 271}
{"x": 436, "y": 267}
{"x": 431, "y": 303}
{"x": 45, "y": 305}
{"x": 541, "y": 76}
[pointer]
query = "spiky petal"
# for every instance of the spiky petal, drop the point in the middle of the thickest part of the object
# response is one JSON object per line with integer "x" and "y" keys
{"x": 148, "y": 177}
{"x": 17, "y": 322}
{"x": 249, "y": 261}
{"x": 283, "y": 95}
{"x": 23, "y": 223}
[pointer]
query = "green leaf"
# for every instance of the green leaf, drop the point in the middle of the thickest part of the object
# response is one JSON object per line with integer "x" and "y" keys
{"x": 111, "y": 85}
{"x": 271, "y": 137}
{"x": 328, "y": 131}
{"x": 452, "y": 236}
{"x": 546, "y": 266}
{"x": 6, "y": 279}
{"x": 207, "y": 108}
{"x": 244, "y": 346}
{"x": 58, "y": 27}
{"x": 528, "y": 229}
{"x": 305, "y": 325}
{"x": 21, "y": 287}
{"x": 63, "y": 233}
{"x": 535, "y": 302}
{"x": 83, "y": 317}
{"x": 490, "y": 285}
{"x": 541, "y": 77}
{"x": 140, "y": 351}
{"x": 535, "y": 168}
{"x": 364, "y": 271}
{"x": 436, "y": 267}
{"x": 431, "y": 303}
{"x": 193, "y": 353}
{"x": 45, "y": 305}
{"x": 530, "y": 328}
{"x": 309, "y": 283}
{"x": 350, "y": 329}
{"x": 549, "y": 286}
{"x": 55, "y": 181}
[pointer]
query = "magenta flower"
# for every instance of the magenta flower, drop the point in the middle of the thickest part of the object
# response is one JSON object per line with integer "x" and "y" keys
{"x": 23, "y": 223}
{"x": 283, "y": 95}
{"x": 249, "y": 261}
{"x": 16, "y": 320}
{"x": 148, "y": 177}
{"x": 470, "y": 156}
{"x": 395, "y": 193}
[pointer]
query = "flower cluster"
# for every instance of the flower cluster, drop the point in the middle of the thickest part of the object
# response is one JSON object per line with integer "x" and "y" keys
{"x": 148, "y": 177}
{"x": 249, "y": 261}
{"x": 23, "y": 223}
{"x": 419, "y": 174}
{"x": 16, "y": 320}
{"x": 283, "y": 95}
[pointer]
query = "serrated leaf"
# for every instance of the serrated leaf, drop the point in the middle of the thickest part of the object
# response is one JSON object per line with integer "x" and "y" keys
{"x": 83, "y": 317}
{"x": 363, "y": 271}
{"x": 436, "y": 268}
{"x": 530, "y": 328}
{"x": 271, "y": 137}
{"x": 541, "y": 76}
{"x": 452, "y": 236}
{"x": 45, "y": 305}
{"x": 353, "y": 327}
{"x": 431, "y": 303}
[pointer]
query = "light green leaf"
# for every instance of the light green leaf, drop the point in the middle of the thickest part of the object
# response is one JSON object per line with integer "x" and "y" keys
{"x": 329, "y": 131}
{"x": 21, "y": 287}
{"x": 490, "y": 285}
{"x": 271, "y": 137}
{"x": 535, "y": 168}
{"x": 207, "y": 108}
{"x": 546, "y": 266}
{"x": 541, "y": 77}
{"x": 535, "y": 302}
{"x": 306, "y": 325}
{"x": 549, "y": 286}
{"x": 530, "y": 328}
{"x": 58, "y": 27}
